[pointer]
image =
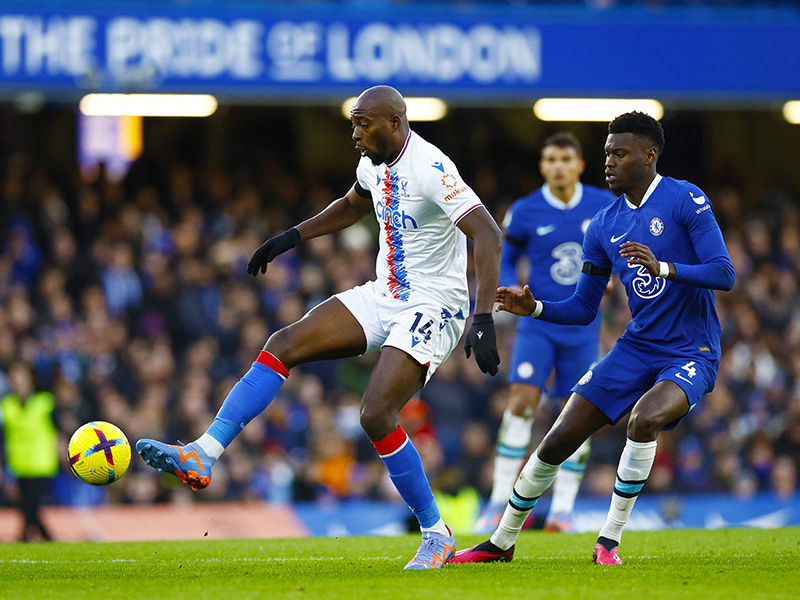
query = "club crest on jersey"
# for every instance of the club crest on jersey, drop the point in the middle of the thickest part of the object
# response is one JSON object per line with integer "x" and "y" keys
{"x": 645, "y": 285}
{"x": 403, "y": 187}
{"x": 586, "y": 378}
{"x": 656, "y": 226}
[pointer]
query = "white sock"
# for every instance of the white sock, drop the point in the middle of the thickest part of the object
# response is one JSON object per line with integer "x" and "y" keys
{"x": 634, "y": 468}
{"x": 210, "y": 446}
{"x": 438, "y": 527}
{"x": 568, "y": 481}
{"x": 512, "y": 448}
{"x": 535, "y": 478}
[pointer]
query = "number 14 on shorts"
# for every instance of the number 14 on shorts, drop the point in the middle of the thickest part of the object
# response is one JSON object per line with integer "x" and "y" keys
{"x": 420, "y": 333}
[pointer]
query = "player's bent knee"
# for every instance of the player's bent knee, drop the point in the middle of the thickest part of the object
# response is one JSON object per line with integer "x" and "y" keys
{"x": 280, "y": 346}
{"x": 376, "y": 423}
{"x": 644, "y": 428}
{"x": 553, "y": 452}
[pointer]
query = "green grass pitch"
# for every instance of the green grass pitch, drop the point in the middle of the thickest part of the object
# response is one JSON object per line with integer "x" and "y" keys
{"x": 727, "y": 564}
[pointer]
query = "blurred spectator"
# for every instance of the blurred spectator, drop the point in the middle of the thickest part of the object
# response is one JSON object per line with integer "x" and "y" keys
{"x": 31, "y": 446}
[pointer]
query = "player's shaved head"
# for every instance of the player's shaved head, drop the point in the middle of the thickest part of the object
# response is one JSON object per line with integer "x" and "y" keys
{"x": 380, "y": 100}
{"x": 380, "y": 124}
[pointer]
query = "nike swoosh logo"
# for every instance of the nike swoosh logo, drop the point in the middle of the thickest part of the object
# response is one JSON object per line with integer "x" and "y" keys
{"x": 679, "y": 376}
{"x": 699, "y": 199}
{"x": 545, "y": 229}
{"x": 617, "y": 238}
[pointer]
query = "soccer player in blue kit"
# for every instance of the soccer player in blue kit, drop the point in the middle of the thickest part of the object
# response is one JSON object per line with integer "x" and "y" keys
{"x": 663, "y": 239}
{"x": 546, "y": 227}
{"x": 414, "y": 312}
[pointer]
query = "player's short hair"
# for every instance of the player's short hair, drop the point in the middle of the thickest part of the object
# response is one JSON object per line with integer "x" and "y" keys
{"x": 642, "y": 125}
{"x": 563, "y": 139}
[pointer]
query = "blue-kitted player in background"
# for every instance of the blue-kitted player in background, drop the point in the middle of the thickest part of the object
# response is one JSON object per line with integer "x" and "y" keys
{"x": 663, "y": 239}
{"x": 546, "y": 228}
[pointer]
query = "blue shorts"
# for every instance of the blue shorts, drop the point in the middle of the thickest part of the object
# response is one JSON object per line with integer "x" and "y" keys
{"x": 616, "y": 382}
{"x": 535, "y": 356}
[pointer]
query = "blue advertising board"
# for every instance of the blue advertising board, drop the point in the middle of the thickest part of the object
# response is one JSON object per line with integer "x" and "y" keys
{"x": 479, "y": 53}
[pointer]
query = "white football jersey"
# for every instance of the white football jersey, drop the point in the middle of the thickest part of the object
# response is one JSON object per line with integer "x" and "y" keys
{"x": 419, "y": 198}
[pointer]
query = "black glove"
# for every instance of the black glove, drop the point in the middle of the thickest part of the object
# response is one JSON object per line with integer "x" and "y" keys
{"x": 274, "y": 246}
{"x": 482, "y": 338}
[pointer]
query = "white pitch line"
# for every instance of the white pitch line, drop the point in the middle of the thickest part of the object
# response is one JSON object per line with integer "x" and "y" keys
{"x": 198, "y": 560}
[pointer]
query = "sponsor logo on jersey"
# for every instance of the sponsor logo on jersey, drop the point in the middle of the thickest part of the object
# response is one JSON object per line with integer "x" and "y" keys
{"x": 699, "y": 210}
{"x": 394, "y": 216}
{"x": 569, "y": 262}
{"x": 449, "y": 181}
{"x": 656, "y": 226}
{"x": 454, "y": 193}
{"x": 645, "y": 285}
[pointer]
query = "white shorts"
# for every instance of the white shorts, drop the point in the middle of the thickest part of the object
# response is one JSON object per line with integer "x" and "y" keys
{"x": 421, "y": 327}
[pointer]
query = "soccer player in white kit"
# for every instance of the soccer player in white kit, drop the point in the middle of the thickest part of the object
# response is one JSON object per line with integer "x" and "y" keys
{"x": 414, "y": 312}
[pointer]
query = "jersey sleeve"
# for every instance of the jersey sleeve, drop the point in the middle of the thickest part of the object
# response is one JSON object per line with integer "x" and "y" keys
{"x": 363, "y": 173}
{"x": 445, "y": 187}
{"x": 514, "y": 226}
{"x": 593, "y": 251}
{"x": 696, "y": 214}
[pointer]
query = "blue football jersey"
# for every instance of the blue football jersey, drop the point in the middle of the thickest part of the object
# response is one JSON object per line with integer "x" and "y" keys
{"x": 674, "y": 220}
{"x": 549, "y": 234}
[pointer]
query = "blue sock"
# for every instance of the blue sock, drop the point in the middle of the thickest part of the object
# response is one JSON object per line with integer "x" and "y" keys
{"x": 248, "y": 398}
{"x": 406, "y": 472}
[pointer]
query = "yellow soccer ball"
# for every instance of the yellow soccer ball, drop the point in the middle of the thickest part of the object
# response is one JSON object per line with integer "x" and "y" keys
{"x": 99, "y": 453}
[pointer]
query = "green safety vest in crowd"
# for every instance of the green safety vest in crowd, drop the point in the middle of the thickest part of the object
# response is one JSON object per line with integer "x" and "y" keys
{"x": 31, "y": 437}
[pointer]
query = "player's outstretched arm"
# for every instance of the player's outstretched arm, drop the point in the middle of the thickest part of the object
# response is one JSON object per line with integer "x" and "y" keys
{"x": 338, "y": 215}
{"x": 519, "y": 303}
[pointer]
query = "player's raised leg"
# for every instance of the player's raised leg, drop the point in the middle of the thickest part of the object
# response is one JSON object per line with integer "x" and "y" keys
{"x": 513, "y": 439}
{"x": 328, "y": 331}
{"x": 663, "y": 404}
{"x": 579, "y": 420}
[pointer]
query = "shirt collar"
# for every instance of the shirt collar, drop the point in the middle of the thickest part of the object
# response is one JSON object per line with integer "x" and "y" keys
{"x": 656, "y": 180}
{"x": 553, "y": 201}
{"x": 403, "y": 151}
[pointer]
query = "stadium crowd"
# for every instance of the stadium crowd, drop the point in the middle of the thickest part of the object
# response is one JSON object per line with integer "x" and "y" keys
{"x": 131, "y": 300}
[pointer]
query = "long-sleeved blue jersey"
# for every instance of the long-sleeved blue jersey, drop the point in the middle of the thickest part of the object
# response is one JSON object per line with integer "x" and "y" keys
{"x": 676, "y": 221}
